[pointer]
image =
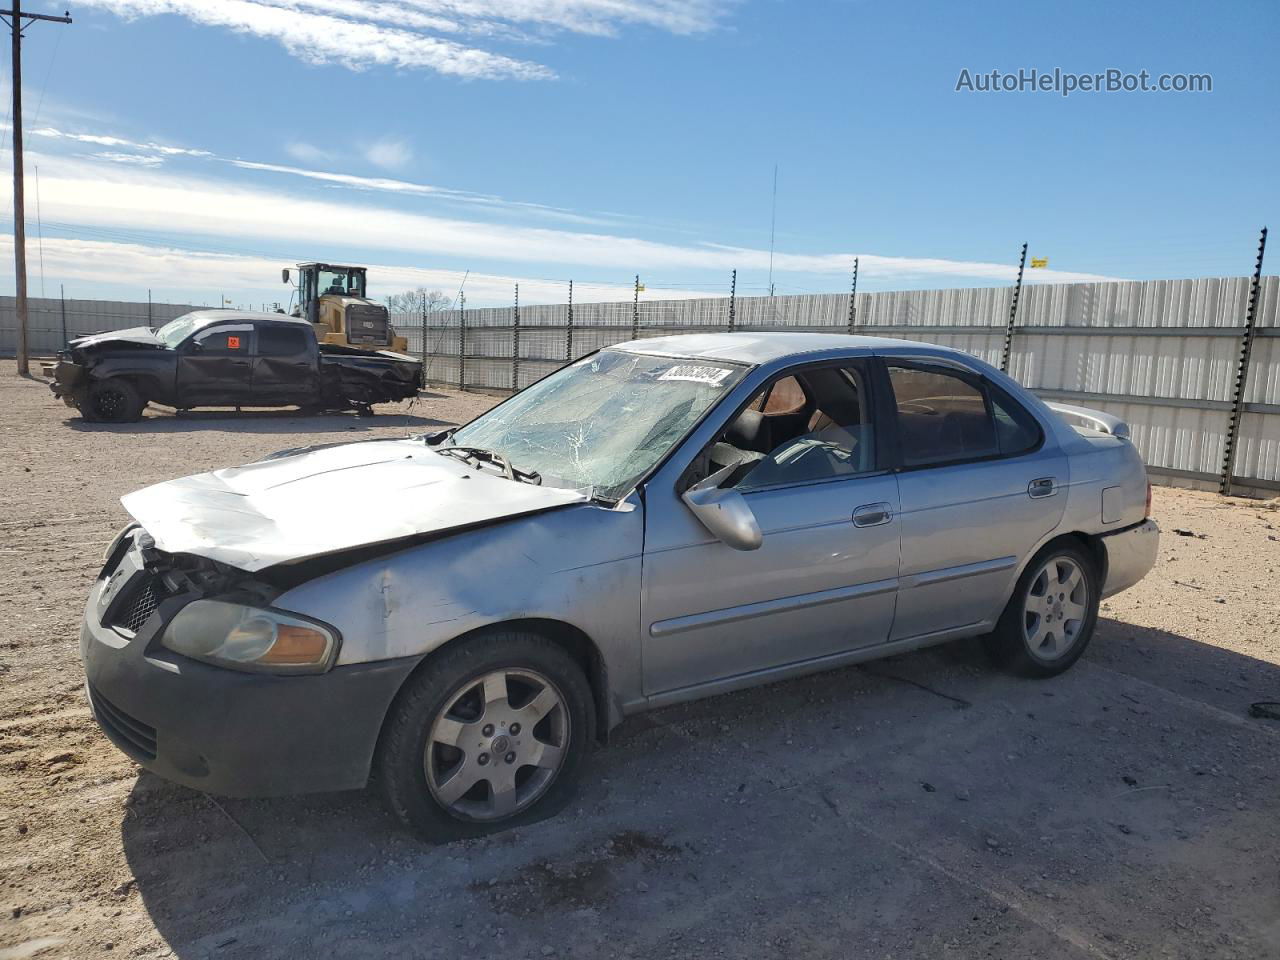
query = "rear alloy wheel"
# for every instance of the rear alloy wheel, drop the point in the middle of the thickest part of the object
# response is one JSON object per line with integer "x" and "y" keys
{"x": 113, "y": 401}
{"x": 1056, "y": 608}
{"x": 490, "y": 732}
{"x": 1051, "y": 615}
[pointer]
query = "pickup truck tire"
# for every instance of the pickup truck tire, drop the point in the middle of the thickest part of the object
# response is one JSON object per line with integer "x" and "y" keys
{"x": 113, "y": 400}
{"x": 1050, "y": 618}
{"x": 488, "y": 734}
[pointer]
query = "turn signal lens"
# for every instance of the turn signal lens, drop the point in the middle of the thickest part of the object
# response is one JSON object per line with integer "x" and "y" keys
{"x": 296, "y": 645}
{"x": 249, "y": 638}
{"x": 1146, "y": 513}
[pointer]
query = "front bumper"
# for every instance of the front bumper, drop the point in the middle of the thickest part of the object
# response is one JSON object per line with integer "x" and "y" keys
{"x": 68, "y": 382}
{"x": 232, "y": 733}
{"x": 1131, "y": 553}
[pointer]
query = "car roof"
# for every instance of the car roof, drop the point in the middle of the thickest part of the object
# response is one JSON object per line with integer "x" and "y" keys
{"x": 203, "y": 318}
{"x": 764, "y": 347}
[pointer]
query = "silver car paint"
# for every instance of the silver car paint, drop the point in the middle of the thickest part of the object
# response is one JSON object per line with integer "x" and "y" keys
{"x": 674, "y": 613}
{"x": 290, "y": 507}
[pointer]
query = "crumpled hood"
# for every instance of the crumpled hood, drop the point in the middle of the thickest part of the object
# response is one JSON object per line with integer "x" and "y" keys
{"x": 134, "y": 335}
{"x": 328, "y": 499}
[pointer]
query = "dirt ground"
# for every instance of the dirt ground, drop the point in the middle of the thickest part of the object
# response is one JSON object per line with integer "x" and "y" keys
{"x": 923, "y": 806}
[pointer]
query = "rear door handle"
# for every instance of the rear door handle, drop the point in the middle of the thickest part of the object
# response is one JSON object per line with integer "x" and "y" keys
{"x": 872, "y": 515}
{"x": 1042, "y": 487}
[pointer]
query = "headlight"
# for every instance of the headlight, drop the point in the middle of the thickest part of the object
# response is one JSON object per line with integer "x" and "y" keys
{"x": 251, "y": 638}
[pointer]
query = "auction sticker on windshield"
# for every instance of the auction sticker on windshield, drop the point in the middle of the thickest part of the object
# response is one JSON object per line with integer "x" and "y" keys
{"x": 697, "y": 373}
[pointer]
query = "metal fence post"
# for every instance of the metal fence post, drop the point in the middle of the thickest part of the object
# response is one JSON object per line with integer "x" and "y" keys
{"x": 1013, "y": 314}
{"x": 515, "y": 343}
{"x": 62, "y": 295}
{"x": 1242, "y": 373}
{"x": 462, "y": 341}
{"x": 424, "y": 337}
{"x": 733, "y": 297}
{"x": 635, "y": 311}
{"x": 568, "y": 328}
{"x": 853, "y": 298}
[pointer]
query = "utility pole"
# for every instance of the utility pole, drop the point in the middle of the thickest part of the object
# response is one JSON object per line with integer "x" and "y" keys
{"x": 14, "y": 18}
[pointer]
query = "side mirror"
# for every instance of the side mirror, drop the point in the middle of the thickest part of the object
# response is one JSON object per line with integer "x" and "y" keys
{"x": 724, "y": 513}
{"x": 284, "y": 275}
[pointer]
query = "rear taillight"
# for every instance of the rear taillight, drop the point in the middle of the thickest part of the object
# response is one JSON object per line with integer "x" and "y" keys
{"x": 1146, "y": 511}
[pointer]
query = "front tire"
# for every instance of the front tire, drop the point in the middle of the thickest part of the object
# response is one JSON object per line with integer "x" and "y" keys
{"x": 488, "y": 735}
{"x": 1050, "y": 618}
{"x": 113, "y": 400}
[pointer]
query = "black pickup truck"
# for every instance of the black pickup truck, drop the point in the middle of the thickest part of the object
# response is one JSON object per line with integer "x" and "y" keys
{"x": 224, "y": 358}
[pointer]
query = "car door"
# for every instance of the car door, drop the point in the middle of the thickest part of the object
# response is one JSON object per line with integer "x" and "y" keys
{"x": 284, "y": 365}
{"x": 824, "y": 578}
{"x": 979, "y": 487}
{"x": 215, "y": 366}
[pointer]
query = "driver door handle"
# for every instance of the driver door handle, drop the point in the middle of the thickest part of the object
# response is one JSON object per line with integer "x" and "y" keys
{"x": 872, "y": 515}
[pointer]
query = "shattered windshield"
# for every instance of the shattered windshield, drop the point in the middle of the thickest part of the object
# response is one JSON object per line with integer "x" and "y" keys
{"x": 602, "y": 422}
{"x": 175, "y": 331}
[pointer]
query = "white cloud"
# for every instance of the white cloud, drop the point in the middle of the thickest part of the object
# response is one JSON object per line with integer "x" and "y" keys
{"x": 321, "y": 38}
{"x": 306, "y": 152}
{"x": 79, "y": 192}
{"x": 102, "y": 140}
{"x": 384, "y": 151}
{"x": 391, "y": 185}
{"x": 134, "y": 159}
{"x": 197, "y": 277}
{"x": 399, "y": 33}
{"x": 388, "y": 154}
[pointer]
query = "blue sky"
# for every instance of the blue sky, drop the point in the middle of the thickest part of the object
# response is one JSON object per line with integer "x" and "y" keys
{"x": 196, "y": 146}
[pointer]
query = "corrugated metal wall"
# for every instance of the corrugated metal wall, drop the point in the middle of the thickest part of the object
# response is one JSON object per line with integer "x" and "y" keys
{"x": 45, "y": 320}
{"x": 1162, "y": 354}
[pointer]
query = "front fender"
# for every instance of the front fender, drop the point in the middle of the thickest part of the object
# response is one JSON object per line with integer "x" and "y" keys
{"x": 579, "y": 566}
{"x": 154, "y": 374}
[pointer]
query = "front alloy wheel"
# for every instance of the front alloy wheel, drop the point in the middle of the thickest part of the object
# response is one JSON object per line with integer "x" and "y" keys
{"x": 497, "y": 745}
{"x": 488, "y": 733}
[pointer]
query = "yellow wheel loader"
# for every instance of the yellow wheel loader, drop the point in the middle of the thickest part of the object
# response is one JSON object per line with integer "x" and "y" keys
{"x": 333, "y": 300}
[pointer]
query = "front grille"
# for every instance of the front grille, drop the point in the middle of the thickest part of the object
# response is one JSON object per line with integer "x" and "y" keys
{"x": 367, "y": 325}
{"x": 128, "y": 733}
{"x": 137, "y": 608}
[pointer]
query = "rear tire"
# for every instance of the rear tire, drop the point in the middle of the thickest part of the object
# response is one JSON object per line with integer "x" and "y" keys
{"x": 1051, "y": 615}
{"x": 113, "y": 400}
{"x": 490, "y": 734}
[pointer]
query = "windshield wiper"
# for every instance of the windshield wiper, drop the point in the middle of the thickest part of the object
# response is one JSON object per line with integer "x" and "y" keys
{"x": 481, "y": 455}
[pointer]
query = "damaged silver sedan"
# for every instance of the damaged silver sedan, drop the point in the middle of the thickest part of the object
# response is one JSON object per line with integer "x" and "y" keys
{"x": 660, "y": 521}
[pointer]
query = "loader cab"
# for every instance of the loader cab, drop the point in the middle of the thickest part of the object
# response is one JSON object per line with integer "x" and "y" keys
{"x": 334, "y": 300}
{"x": 316, "y": 280}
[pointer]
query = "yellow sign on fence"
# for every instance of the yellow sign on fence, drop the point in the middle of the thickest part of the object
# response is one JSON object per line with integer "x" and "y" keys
{"x": 1037, "y": 262}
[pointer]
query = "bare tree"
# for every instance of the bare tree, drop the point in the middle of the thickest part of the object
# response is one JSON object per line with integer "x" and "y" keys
{"x": 410, "y": 301}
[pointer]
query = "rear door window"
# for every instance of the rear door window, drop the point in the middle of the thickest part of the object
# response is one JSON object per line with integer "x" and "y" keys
{"x": 944, "y": 416}
{"x": 282, "y": 341}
